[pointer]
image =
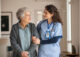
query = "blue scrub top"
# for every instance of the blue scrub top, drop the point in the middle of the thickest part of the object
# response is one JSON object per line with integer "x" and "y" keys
{"x": 53, "y": 49}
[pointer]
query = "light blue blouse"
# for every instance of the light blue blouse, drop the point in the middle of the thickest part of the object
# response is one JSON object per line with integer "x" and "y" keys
{"x": 25, "y": 37}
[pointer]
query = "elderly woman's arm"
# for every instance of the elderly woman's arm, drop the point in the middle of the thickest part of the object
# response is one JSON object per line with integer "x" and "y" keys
{"x": 35, "y": 34}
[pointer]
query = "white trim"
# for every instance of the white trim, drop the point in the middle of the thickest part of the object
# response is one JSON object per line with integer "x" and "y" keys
{"x": 69, "y": 45}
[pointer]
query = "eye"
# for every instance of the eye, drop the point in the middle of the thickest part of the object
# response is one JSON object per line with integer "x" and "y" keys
{"x": 45, "y": 12}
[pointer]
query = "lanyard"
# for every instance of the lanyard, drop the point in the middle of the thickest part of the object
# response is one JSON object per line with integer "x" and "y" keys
{"x": 49, "y": 25}
{"x": 48, "y": 32}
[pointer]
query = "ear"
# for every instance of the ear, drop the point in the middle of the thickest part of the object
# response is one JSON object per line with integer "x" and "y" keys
{"x": 21, "y": 17}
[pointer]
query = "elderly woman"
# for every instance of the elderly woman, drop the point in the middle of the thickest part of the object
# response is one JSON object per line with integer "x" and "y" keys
{"x": 21, "y": 35}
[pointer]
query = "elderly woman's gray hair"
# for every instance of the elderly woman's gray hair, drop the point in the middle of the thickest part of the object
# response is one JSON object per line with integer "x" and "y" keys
{"x": 20, "y": 13}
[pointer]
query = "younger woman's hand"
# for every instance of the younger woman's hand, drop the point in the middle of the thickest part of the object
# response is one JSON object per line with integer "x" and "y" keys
{"x": 35, "y": 40}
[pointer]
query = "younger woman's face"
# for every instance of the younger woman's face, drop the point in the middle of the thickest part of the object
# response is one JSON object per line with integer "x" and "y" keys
{"x": 47, "y": 15}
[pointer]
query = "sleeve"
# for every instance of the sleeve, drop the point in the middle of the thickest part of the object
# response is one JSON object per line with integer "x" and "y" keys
{"x": 56, "y": 37}
{"x": 39, "y": 28}
{"x": 58, "y": 30}
{"x": 34, "y": 31}
{"x": 39, "y": 25}
{"x": 14, "y": 44}
{"x": 33, "y": 46}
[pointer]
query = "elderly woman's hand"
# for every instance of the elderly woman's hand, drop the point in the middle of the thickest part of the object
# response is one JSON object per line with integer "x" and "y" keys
{"x": 35, "y": 40}
{"x": 24, "y": 54}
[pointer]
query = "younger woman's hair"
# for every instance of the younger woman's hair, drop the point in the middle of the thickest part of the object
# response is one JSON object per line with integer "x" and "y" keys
{"x": 53, "y": 10}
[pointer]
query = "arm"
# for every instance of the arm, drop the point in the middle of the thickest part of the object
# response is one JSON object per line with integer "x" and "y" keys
{"x": 57, "y": 35}
{"x": 13, "y": 41}
{"x": 34, "y": 33}
{"x": 52, "y": 40}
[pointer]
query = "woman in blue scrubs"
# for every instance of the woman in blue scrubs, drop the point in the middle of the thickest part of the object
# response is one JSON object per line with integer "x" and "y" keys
{"x": 50, "y": 31}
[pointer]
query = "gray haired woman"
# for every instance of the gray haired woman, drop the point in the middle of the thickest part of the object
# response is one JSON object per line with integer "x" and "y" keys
{"x": 21, "y": 35}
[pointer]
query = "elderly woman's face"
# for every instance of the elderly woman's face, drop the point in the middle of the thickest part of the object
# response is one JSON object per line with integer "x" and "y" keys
{"x": 27, "y": 17}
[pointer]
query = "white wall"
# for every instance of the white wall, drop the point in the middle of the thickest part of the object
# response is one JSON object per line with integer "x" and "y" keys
{"x": 13, "y": 5}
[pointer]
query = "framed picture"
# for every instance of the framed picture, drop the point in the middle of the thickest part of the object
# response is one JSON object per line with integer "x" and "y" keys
{"x": 6, "y": 22}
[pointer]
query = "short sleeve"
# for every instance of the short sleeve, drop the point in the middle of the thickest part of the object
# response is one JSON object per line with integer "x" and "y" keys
{"x": 39, "y": 25}
{"x": 58, "y": 30}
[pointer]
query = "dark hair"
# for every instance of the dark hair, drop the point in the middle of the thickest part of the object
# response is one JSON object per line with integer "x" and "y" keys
{"x": 53, "y": 10}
